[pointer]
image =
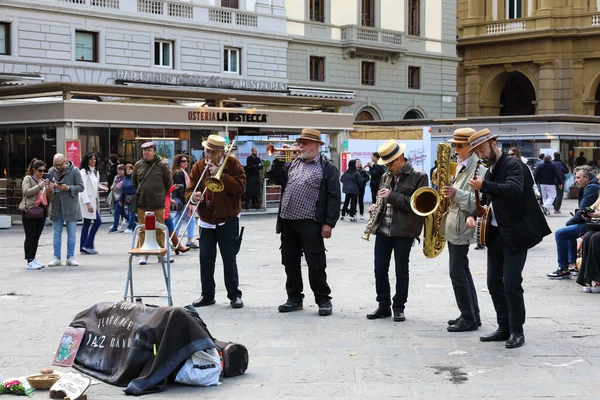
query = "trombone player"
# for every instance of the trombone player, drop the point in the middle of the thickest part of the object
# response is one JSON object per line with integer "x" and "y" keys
{"x": 219, "y": 218}
{"x": 459, "y": 237}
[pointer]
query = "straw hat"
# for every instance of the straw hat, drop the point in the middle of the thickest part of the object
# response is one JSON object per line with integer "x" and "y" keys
{"x": 310, "y": 134}
{"x": 214, "y": 142}
{"x": 389, "y": 151}
{"x": 462, "y": 135}
{"x": 481, "y": 137}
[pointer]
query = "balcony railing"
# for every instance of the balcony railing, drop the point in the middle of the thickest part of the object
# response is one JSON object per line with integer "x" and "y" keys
{"x": 506, "y": 27}
{"x": 595, "y": 20}
{"x": 94, "y": 3}
{"x": 184, "y": 10}
{"x": 355, "y": 33}
{"x": 231, "y": 17}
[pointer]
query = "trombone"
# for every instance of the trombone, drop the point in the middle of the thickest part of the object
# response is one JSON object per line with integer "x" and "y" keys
{"x": 212, "y": 183}
{"x": 285, "y": 154}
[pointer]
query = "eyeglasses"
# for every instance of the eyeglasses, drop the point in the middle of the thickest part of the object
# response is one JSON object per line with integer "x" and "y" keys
{"x": 183, "y": 161}
{"x": 511, "y": 154}
{"x": 60, "y": 165}
{"x": 457, "y": 146}
{"x": 41, "y": 170}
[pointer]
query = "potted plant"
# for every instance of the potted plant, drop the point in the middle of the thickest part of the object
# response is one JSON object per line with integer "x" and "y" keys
{"x": 573, "y": 191}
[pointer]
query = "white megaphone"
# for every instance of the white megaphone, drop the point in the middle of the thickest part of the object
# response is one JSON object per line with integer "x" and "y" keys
{"x": 150, "y": 242}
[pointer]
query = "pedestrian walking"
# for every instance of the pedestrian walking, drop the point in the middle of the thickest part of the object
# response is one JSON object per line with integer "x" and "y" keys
{"x": 361, "y": 190}
{"x": 37, "y": 192}
{"x": 183, "y": 215}
{"x": 351, "y": 182}
{"x": 89, "y": 201}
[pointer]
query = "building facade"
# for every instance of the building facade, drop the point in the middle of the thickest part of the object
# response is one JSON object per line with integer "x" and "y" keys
{"x": 398, "y": 56}
{"x": 527, "y": 57}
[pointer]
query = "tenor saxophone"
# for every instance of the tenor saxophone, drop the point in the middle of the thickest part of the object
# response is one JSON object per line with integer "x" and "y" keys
{"x": 378, "y": 207}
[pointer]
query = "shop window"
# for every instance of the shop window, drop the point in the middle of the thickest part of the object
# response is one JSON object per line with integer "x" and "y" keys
{"x": 163, "y": 53}
{"x": 317, "y": 10}
{"x": 414, "y": 77}
{"x": 513, "y": 9}
{"x": 317, "y": 69}
{"x": 367, "y": 16}
{"x": 4, "y": 38}
{"x": 368, "y": 73}
{"x": 86, "y": 46}
{"x": 231, "y": 60}
{"x": 414, "y": 15}
{"x": 230, "y": 3}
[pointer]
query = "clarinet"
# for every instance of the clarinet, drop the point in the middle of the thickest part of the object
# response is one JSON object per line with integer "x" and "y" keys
{"x": 378, "y": 207}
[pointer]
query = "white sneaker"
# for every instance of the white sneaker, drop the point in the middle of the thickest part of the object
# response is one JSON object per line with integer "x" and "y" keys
{"x": 143, "y": 260}
{"x": 362, "y": 216}
{"x": 353, "y": 219}
{"x": 55, "y": 262}
{"x": 33, "y": 265}
{"x": 127, "y": 231}
{"x": 587, "y": 289}
{"x": 342, "y": 217}
{"x": 39, "y": 263}
{"x": 71, "y": 261}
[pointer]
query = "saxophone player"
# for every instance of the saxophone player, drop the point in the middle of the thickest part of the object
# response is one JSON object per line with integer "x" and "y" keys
{"x": 396, "y": 227}
{"x": 461, "y": 204}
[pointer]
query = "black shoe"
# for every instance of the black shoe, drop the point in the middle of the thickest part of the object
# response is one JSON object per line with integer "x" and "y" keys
{"x": 462, "y": 326}
{"x": 455, "y": 321}
{"x": 381, "y": 312}
{"x": 237, "y": 303}
{"x": 496, "y": 336}
{"x": 479, "y": 247}
{"x": 560, "y": 273}
{"x": 399, "y": 316}
{"x": 515, "y": 340}
{"x": 290, "y": 306}
{"x": 325, "y": 308}
{"x": 204, "y": 301}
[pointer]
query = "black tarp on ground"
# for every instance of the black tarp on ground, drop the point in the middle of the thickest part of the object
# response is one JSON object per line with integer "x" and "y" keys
{"x": 119, "y": 344}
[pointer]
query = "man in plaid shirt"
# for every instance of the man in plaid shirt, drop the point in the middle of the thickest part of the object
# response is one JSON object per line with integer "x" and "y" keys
{"x": 308, "y": 211}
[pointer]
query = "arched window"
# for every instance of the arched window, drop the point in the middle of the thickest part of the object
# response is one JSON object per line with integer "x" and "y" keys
{"x": 365, "y": 116}
{"x": 413, "y": 114}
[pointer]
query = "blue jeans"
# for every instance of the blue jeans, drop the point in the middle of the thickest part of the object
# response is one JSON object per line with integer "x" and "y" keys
{"x": 131, "y": 218}
{"x": 119, "y": 212}
{"x": 57, "y": 228}
{"x": 191, "y": 227}
{"x": 566, "y": 245}
{"x": 88, "y": 235}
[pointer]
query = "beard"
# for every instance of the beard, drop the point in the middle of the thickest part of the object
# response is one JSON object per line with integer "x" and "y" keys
{"x": 491, "y": 159}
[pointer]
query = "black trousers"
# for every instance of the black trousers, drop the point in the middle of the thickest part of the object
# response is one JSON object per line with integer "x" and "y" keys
{"x": 504, "y": 280}
{"x": 361, "y": 201}
{"x": 374, "y": 190}
{"x": 590, "y": 263}
{"x": 298, "y": 236}
{"x": 33, "y": 230}
{"x": 349, "y": 198}
{"x": 383, "y": 254}
{"x": 559, "y": 198}
{"x": 225, "y": 236}
{"x": 462, "y": 282}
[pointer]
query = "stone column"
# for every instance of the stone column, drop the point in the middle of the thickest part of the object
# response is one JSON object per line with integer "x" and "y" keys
{"x": 472, "y": 91}
{"x": 474, "y": 11}
{"x": 545, "y": 95}
{"x": 579, "y": 6}
{"x": 545, "y": 7}
{"x": 578, "y": 86}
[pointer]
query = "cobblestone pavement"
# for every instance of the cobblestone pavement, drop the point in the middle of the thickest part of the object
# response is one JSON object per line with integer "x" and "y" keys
{"x": 302, "y": 355}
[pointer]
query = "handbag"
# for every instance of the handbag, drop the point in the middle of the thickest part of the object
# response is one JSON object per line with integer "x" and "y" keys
{"x": 134, "y": 199}
{"x": 36, "y": 211}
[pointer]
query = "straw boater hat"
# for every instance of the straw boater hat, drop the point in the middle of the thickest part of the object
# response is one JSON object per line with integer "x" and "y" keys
{"x": 310, "y": 134}
{"x": 214, "y": 142}
{"x": 389, "y": 151}
{"x": 481, "y": 137}
{"x": 461, "y": 136}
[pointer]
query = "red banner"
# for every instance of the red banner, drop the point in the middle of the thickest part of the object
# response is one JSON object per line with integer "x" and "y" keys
{"x": 344, "y": 161}
{"x": 73, "y": 151}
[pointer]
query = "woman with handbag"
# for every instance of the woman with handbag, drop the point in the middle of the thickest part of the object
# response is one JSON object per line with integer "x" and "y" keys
{"x": 127, "y": 196}
{"x": 37, "y": 192}
{"x": 89, "y": 204}
{"x": 180, "y": 176}
{"x": 117, "y": 192}
{"x": 175, "y": 244}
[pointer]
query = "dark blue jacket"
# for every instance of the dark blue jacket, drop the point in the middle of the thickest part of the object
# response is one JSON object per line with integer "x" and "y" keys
{"x": 587, "y": 197}
{"x": 546, "y": 174}
{"x": 562, "y": 169}
{"x": 351, "y": 181}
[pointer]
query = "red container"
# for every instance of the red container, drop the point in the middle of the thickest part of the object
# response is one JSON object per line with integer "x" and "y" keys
{"x": 149, "y": 221}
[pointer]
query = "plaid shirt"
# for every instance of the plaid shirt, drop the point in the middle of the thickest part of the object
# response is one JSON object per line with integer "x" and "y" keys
{"x": 301, "y": 193}
{"x": 385, "y": 227}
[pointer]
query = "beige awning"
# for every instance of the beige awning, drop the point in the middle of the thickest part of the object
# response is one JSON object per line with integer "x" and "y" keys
{"x": 384, "y": 133}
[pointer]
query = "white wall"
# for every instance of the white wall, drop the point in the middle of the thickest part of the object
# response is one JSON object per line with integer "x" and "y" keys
{"x": 344, "y": 12}
{"x": 433, "y": 20}
{"x": 295, "y": 9}
{"x": 392, "y": 15}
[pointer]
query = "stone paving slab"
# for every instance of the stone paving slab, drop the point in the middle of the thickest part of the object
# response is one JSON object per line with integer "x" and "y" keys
{"x": 301, "y": 355}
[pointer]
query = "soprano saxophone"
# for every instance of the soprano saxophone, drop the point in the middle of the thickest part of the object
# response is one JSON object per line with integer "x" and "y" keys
{"x": 378, "y": 207}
